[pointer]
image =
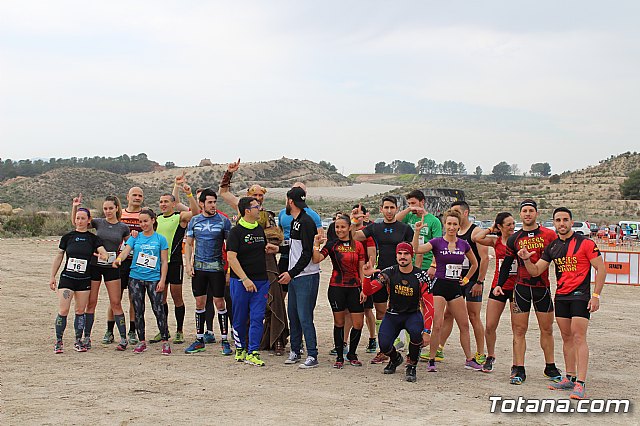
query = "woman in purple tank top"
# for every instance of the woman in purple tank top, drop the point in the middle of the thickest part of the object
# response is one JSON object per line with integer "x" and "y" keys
{"x": 449, "y": 253}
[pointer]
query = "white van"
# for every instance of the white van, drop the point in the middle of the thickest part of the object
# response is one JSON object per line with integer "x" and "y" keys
{"x": 633, "y": 232}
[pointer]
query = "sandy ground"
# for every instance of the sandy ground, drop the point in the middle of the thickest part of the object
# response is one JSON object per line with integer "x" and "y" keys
{"x": 108, "y": 387}
{"x": 342, "y": 193}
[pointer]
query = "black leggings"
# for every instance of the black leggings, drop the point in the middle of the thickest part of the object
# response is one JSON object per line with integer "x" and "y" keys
{"x": 137, "y": 289}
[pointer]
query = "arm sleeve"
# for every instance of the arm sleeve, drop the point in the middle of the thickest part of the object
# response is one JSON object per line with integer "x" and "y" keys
{"x": 593, "y": 251}
{"x": 131, "y": 242}
{"x": 316, "y": 218}
{"x": 63, "y": 242}
{"x": 370, "y": 242}
{"x": 408, "y": 234}
{"x": 370, "y": 286}
{"x": 427, "y": 301}
{"x": 307, "y": 248}
{"x": 368, "y": 231}
{"x": 227, "y": 228}
{"x": 546, "y": 254}
{"x": 360, "y": 251}
{"x": 508, "y": 261}
{"x": 190, "y": 226}
{"x": 232, "y": 240}
{"x": 325, "y": 250}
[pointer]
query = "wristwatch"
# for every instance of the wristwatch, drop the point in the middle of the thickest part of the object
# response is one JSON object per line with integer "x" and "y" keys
{"x": 427, "y": 331}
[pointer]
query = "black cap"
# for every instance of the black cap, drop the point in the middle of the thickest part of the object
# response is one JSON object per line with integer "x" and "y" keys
{"x": 530, "y": 203}
{"x": 298, "y": 196}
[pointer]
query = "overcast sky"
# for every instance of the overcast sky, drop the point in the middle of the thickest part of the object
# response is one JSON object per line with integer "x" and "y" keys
{"x": 350, "y": 82}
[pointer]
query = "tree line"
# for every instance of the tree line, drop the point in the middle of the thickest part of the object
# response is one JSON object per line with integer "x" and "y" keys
{"x": 427, "y": 166}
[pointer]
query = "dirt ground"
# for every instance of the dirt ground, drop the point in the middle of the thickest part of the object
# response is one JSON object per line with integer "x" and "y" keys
{"x": 103, "y": 386}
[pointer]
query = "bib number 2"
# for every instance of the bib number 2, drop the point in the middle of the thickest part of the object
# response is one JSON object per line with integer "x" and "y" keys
{"x": 147, "y": 260}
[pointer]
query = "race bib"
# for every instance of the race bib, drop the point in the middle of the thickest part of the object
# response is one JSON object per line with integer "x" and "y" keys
{"x": 453, "y": 272}
{"x": 514, "y": 267}
{"x": 421, "y": 239}
{"x": 465, "y": 263}
{"x": 76, "y": 265}
{"x": 109, "y": 261}
{"x": 147, "y": 260}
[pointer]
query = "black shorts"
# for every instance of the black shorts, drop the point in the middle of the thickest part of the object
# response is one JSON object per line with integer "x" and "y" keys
{"x": 572, "y": 308}
{"x": 466, "y": 291}
{"x": 202, "y": 280}
{"x": 174, "y": 273}
{"x": 368, "y": 304}
{"x": 124, "y": 269}
{"x": 98, "y": 273}
{"x": 524, "y": 296}
{"x": 449, "y": 289}
{"x": 341, "y": 298}
{"x": 381, "y": 296}
{"x": 508, "y": 295}
{"x": 75, "y": 285}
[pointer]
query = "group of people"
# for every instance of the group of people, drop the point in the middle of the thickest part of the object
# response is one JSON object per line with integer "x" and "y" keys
{"x": 408, "y": 277}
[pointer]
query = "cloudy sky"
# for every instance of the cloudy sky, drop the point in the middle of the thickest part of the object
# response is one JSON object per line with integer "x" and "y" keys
{"x": 350, "y": 82}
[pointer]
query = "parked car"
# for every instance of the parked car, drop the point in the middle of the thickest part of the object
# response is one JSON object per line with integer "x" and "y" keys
{"x": 631, "y": 228}
{"x": 518, "y": 226}
{"x": 593, "y": 227}
{"x": 549, "y": 224}
{"x": 326, "y": 222}
{"x": 607, "y": 232}
{"x": 582, "y": 228}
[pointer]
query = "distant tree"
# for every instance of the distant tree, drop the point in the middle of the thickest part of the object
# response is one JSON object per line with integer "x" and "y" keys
{"x": 170, "y": 165}
{"x": 327, "y": 165}
{"x": 462, "y": 168}
{"x": 426, "y": 166}
{"x": 501, "y": 169}
{"x": 382, "y": 167}
{"x": 450, "y": 167}
{"x": 478, "y": 171}
{"x": 402, "y": 167}
{"x": 554, "y": 179}
{"x": 630, "y": 188}
{"x": 540, "y": 169}
{"x": 515, "y": 170}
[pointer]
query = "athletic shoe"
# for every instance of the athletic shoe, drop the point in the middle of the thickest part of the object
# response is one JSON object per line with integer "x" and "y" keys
{"x": 209, "y": 337}
{"x": 310, "y": 362}
{"x": 380, "y": 358}
{"x": 241, "y": 354}
{"x": 514, "y": 370}
{"x": 440, "y": 354}
{"x": 488, "y": 365}
{"x": 399, "y": 344}
{"x": 59, "y": 347}
{"x": 392, "y": 365}
{"x": 345, "y": 350}
{"x": 226, "y": 348}
{"x": 140, "y": 347}
{"x": 122, "y": 346}
{"x": 293, "y": 358}
{"x": 133, "y": 339}
{"x": 157, "y": 338}
{"x": 431, "y": 368}
{"x": 179, "y": 339}
{"x": 253, "y": 358}
{"x": 425, "y": 354}
{"x": 564, "y": 384}
{"x": 578, "y": 392}
{"x": 553, "y": 374}
{"x": 166, "y": 348}
{"x": 372, "y": 347}
{"x": 196, "y": 346}
{"x": 79, "y": 346}
{"x": 338, "y": 364}
{"x": 87, "y": 342}
{"x": 353, "y": 360}
{"x": 518, "y": 377}
{"x": 480, "y": 358}
{"x": 410, "y": 373}
{"x": 471, "y": 364}
{"x": 108, "y": 338}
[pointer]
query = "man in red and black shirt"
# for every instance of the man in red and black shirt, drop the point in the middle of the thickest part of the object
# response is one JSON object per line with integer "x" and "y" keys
{"x": 573, "y": 256}
{"x": 529, "y": 291}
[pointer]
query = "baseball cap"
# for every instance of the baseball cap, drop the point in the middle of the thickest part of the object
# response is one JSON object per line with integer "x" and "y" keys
{"x": 298, "y": 196}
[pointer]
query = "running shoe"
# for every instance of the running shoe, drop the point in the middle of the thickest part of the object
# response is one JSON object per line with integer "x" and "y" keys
{"x": 122, "y": 346}
{"x": 553, "y": 374}
{"x": 514, "y": 370}
{"x": 578, "y": 392}
{"x": 480, "y": 358}
{"x": 293, "y": 358}
{"x": 133, "y": 339}
{"x": 108, "y": 338}
{"x": 87, "y": 342}
{"x": 380, "y": 358}
{"x": 166, "y": 348}
{"x": 209, "y": 337}
{"x": 431, "y": 368}
{"x": 372, "y": 347}
{"x": 471, "y": 364}
{"x": 140, "y": 347}
{"x": 253, "y": 358}
{"x": 392, "y": 365}
{"x": 564, "y": 384}
{"x": 196, "y": 346}
{"x": 488, "y": 365}
{"x": 241, "y": 355}
{"x": 79, "y": 346}
{"x": 440, "y": 354}
{"x": 179, "y": 339}
{"x": 59, "y": 347}
{"x": 353, "y": 360}
{"x": 155, "y": 339}
{"x": 338, "y": 364}
{"x": 518, "y": 377}
{"x": 226, "y": 348}
{"x": 410, "y": 373}
{"x": 310, "y": 362}
{"x": 399, "y": 344}
{"x": 425, "y": 354}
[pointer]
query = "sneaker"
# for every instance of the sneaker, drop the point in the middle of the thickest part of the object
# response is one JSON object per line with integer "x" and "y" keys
{"x": 241, "y": 355}
{"x": 564, "y": 384}
{"x": 108, "y": 338}
{"x": 353, "y": 360}
{"x": 488, "y": 365}
{"x": 440, "y": 354}
{"x": 392, "y": 365}
{"x": 431, "y": 368}
{"x": 380, "y": 358}
{"x": 553, "y": 374}
{"x": 578, "y": 392}
{"x": 293, "y": 358}
{"x": 372, "y": 347}
{"x": 338, "y": 364}
{"x": 209, "y": 337}
{"x": 122, "y": 346}
{"x": 157, "y": 338}
{"x": 410, "y": 373}
{"x": 196, "y": 346}
{"x": 399, "y": 344}
{"x": 480, "y": 358}
{"x": 166, "y": 348}
{"x": 179, "y": 339}
{"x": 79, "y": 346}
{"x": 140, "y": 347}
{"x": 59, "y": 347}
{"x": 518, "y": 377}
{"x": 87, "y": 342}
{"x": 425, "y": 354}
{"x": 471, "y": 364}
{"x": 226, "y": 348}
{"x": 253, "y": 358}
{"x": 133, "y": 339}
{"x": 310, "y": 362}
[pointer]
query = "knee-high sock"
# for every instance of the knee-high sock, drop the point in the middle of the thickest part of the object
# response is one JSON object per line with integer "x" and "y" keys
{"x": 122, "y": 328}
{"x": 180, "y": 311}
{"x": 78, "y": 324}
{"x": 88, "y": 324}
{"x": 414, "y": 352}
{"x": 354, "y": 340}
{"x": 61, "y": 324}
{"x": 200, "y": 320}
{"x": 210, "y": 313}
{"x": 223, "y": 320}
{"x": 338, "y": 340}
